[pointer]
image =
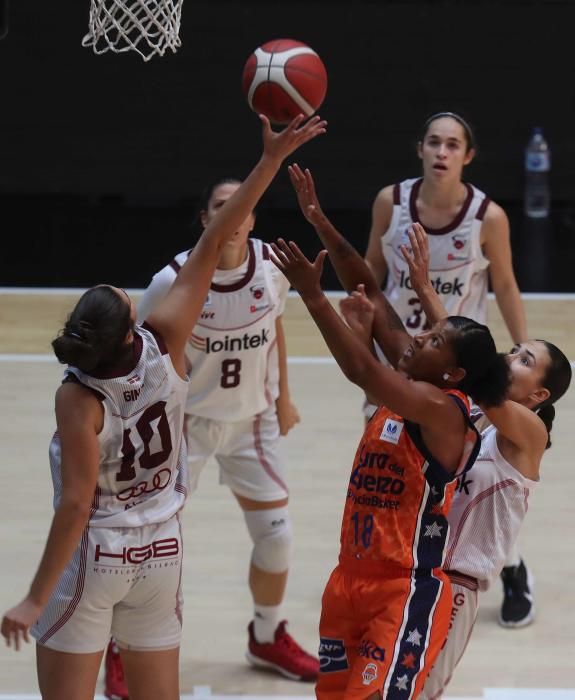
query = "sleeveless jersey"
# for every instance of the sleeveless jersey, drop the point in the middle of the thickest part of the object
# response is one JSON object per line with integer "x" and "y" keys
{"x": 488, "y": 509}
{"x": 399, "y": 496}
{"x": 143, "y": 476}
{"x": 232, "y": 351}
{"x": 457, "y": 266}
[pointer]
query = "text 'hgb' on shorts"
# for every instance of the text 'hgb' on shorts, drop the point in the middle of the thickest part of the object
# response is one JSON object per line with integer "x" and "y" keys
{"x": 123, "y": 582}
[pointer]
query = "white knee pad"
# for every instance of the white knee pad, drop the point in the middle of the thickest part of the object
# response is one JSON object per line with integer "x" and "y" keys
{"x": 271, "y": 533}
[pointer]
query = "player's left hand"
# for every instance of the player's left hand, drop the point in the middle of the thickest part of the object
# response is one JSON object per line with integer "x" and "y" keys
{"x": 303, "y": 275}
{"x": 358, "y": 312}
{"x": 288, "y": 415}
{"x": 418, "y": 257}
{"x": 17, "y": 621}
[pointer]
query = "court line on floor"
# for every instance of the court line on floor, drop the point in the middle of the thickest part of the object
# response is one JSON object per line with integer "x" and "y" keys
{"x": 334, "y": 294}
{"x": 292, "y": 360}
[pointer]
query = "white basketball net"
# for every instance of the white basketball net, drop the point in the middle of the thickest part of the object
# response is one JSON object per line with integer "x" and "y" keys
{"x": 149, "y": 27}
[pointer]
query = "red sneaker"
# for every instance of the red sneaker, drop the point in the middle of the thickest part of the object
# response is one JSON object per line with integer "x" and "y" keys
{"x": 115, "y": 686}
{"x": 284, "y": 655}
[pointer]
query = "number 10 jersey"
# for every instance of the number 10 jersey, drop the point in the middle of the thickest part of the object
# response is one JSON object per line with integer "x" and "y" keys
{"x": 143, "y": 476}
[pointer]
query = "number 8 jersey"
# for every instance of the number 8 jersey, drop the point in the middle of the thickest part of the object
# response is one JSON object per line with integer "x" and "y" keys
{"x": 232, "y": 351}
{"x": 143, "y": 476}
{"x": 457, "y": 266}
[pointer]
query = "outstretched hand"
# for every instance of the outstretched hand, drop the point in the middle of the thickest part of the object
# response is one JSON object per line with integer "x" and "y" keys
{"x": 304, "y": 276}
{"x": 278, "y": 145}
{"x": 304, "y": 186}
{"x": 358, "y": 312}
{"x": 418, "y": 257}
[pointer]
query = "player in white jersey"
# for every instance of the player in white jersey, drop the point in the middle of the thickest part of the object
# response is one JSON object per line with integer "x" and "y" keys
{"x": 491, "y": 501}
{"x": 468, "y": 241}
{"x": 112, "y": 560}
{"x": 238, "y": 405}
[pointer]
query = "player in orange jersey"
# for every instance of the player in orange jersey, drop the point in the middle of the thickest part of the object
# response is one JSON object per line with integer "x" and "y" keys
{"x": 386, "y": 607}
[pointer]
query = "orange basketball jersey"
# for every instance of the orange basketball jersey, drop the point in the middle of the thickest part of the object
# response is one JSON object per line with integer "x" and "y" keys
{"x": 399, "y": 496}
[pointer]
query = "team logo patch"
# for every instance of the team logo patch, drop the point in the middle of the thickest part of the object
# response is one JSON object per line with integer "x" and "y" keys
{"x": 369, "y": 674}
{"x": 458, "y": 242}
{"x": 391, "y": 431}
{"x": 257, "y": 291}
{"x": 208, "y": 301}
{"x": 332, "y": 656}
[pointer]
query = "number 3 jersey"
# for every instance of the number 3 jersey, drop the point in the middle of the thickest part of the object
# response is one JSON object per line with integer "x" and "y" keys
{"x": 399, "y": 496}
{"x": 143, "y": 476}
{"x": 457, "y": 266}
{"x": 232, "y": 351}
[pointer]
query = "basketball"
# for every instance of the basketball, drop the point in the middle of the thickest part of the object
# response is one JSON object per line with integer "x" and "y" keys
{"x": 284, "y": 78}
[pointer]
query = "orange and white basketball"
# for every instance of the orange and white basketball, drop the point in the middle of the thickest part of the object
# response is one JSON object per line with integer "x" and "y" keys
{"x": 284, "y": 78}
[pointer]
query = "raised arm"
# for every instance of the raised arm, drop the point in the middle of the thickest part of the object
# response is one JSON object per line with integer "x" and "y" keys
{"x": 496, "y": 243}
{"x": 177, "y": 314}
{"x": 419, "y": 402}
{"x": 351, "y": 268}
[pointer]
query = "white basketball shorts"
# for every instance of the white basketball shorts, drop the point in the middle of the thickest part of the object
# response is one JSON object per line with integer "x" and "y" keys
{"x": 463, "y": 615}
{"x": 246, "y": 451}
{"x": 123, "y": 582}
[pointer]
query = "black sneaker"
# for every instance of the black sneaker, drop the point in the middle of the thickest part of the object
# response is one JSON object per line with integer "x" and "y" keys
{"x": 517, "y": 609}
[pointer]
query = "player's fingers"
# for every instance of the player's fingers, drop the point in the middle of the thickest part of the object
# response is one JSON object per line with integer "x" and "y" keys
{"x": 296, "y": 252}
{"x": 265, "y": 123}
{"x": 406, "y": 255}
{"x": 278, "y": 258}
{"x": 320, "y": 260}
{"x": 285, "y": 250}
{"x": 415, "y": 247}
{"x": 295, "y": 123}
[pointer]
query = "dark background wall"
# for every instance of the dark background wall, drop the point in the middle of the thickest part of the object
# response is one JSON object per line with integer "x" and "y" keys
{"x": 103, "y": 157}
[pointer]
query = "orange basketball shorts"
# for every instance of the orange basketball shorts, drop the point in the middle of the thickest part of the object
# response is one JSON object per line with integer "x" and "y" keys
{"x": 381, "y": 634}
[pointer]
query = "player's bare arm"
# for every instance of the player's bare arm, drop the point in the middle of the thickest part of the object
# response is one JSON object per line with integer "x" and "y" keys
{"x": 79, "y": 417}
{"x": 495, "y": 240}
{"x": 419, "y": 402}
{"x": 351, "y": 268}
{"x": 178, "y": 313}
{"x": 381, "y": 213}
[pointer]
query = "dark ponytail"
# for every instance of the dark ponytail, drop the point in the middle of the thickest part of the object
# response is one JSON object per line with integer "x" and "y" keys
{"x": 487, "y": 375}
{"x": 557, "y": 380}
{"x": 94, "y": 334}
{"x": 547, "y": 415}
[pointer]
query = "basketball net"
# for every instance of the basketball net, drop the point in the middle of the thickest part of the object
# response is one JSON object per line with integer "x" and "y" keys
{"x": 149, "y": 27}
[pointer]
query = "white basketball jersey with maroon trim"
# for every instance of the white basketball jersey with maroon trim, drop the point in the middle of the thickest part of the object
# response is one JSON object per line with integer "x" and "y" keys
{"x": 457, "y": 266}
{"x": 488, "y": 508}
{"x": 143, "y": 475}
{"x": 233, "y": 348}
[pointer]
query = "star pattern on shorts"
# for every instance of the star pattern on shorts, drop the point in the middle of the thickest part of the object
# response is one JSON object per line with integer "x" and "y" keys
{"x": 402, "y": 681}
{"x": 408, "y": 660}
{"x": 433, "y": 530}
{"x": 414, "y": 637}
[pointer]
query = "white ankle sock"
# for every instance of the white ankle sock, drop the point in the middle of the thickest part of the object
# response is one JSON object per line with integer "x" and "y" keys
{"x": 266, "y": 620}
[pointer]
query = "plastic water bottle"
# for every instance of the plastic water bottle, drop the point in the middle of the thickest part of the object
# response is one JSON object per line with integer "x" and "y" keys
{"x": 537, "y": 166}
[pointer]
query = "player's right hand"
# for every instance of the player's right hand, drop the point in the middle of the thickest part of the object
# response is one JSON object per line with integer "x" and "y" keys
{"x": 17, "y": 621}
{"x": 279, "y": 145}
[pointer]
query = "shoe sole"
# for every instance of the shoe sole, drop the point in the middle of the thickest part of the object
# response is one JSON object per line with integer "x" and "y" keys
{"x": 257, "y": 662}
{"x": 528, "y": 619}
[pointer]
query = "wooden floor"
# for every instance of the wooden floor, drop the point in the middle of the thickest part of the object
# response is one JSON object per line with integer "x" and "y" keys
{"x": 318, "y": 454}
